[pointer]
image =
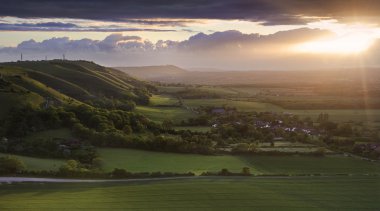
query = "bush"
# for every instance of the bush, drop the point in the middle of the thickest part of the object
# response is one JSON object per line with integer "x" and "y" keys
{"x": 11, "y": 165}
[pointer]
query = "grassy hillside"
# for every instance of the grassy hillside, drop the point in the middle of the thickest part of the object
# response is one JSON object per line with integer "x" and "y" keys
{"x": 328, "y": 193}
{"x": 64, "y": 82}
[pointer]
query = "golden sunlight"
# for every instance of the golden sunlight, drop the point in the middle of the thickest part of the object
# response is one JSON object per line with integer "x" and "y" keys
{"x": 347, "y": 39}
{"x": 352, "y": 43}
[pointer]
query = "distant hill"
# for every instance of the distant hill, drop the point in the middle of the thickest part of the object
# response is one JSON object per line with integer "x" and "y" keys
{"x": 172, "y": 74}
{"x": 65, "y": 82}
{"x": 155, "y": 73}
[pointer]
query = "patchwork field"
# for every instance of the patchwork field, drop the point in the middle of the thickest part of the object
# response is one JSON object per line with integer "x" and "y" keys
{"x": 339, "y": 115}
{"x": 319, "y": 193}
{"x": 147, "y": 161}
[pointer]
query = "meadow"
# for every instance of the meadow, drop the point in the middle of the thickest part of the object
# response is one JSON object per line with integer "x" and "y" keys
{"x": 38, "y": 164}
{"x": 146, "y": 161}
{"x": 317, "y": 193}
{"x": 159, "y": 114}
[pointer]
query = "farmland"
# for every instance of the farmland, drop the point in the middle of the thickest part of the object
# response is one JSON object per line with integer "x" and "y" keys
{"x": 331, "y": 193}
{"x": 248, "y": 105}
{"x": 145, "y": 161}
{"x": 159, "y": 114}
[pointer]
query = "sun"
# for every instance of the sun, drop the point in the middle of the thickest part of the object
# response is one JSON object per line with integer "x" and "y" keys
{"x": 347, "y": 39}
{"x": 349, "y": 44}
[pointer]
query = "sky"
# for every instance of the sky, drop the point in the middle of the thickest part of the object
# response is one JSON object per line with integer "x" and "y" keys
{"x": 222, "y": 34}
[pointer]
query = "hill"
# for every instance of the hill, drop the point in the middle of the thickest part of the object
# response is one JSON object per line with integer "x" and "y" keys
{"x": 65, "y": 82}
{"x": 172, "y": 74}
{"x": 167, "y": 73}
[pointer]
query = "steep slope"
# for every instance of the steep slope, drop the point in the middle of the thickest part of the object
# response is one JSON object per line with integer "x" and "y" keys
{"x": 64, "y": 82}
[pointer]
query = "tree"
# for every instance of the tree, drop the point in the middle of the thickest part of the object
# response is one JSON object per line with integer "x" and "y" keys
{"x": 224, "y": 172}
{"x": 246, "y": 171}
{"x": 167, "y": 124}
{"x": 69, "y": 167}
{"x": 127, "y": 129}
{"x": 11, "y": 165}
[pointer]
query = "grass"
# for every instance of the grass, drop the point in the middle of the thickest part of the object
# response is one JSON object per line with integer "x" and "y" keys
{"x": 38, "y": 164}
{"x": 334, "y": 193}
{"x": 147, "y": 161}
{"x": 339, "y": 115}
{"x": 12, "y": 100}
{"x": 240, "y": 105}
{"x": 159, "y": 100}
{"x": 309, "y": 164}
{"x": 160, "y": 114}
{"x": 33, "y": 163}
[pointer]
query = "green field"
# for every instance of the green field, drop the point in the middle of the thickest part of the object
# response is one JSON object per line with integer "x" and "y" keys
{"x": 312, "y": 165}
{"x": 160, "y": 100}
{"x": 339, "y": 115}
{"x": 147, "y": 161}
{"x": 328, "y": 193}
{"x": 38, "y": 164}
{"x": 240, "y": 105}
{"x": 160, "y": 114}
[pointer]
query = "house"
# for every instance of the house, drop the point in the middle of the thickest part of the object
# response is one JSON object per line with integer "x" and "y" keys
{"x": 218, "y": 111}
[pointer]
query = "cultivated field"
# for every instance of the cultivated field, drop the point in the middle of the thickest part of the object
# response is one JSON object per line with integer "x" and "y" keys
{"x": 318, "y": 193}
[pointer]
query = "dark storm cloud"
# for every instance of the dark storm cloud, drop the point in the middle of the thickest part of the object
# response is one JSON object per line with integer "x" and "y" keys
{"x": 58, "y": 26}
{"x": 270, "y": 12}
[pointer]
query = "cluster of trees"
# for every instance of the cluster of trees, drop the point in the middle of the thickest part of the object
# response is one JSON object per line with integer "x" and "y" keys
{"x": 50, "y": 148}
{"x": 74, "y": 169}
{"x": 225, "y": 172}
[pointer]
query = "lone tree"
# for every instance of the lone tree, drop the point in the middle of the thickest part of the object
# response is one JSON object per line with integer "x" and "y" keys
{"x": 11, "y": 165}
{"x": 246, "y": 171}
{"x": 224, "y": 172}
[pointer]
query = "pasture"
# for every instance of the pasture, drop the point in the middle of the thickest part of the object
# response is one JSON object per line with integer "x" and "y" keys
{"x": 146, "y": 161}
{"x": 338, "y": 115}
{"x": 38, "y": 164}
{"x": 161, "y": 100}
{"x": 298, "y": 193}
{"x": 159, "y": 114}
